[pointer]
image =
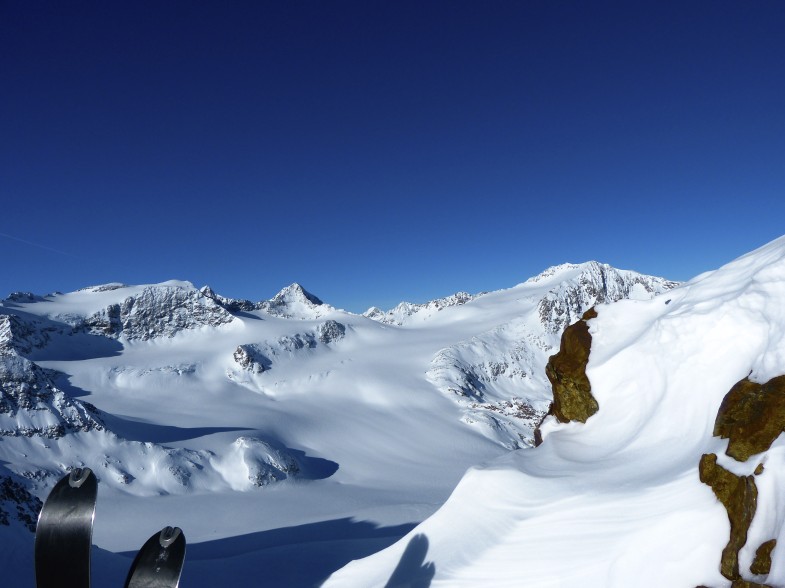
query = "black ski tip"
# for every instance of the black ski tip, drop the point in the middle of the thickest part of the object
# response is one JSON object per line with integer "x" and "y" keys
{"x": 64, "y": 531}
{"x": 159, "y": 562}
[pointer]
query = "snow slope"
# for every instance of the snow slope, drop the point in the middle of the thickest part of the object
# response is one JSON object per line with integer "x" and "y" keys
{"x": 279, "y": 431}
{"x": 618, "y": 501}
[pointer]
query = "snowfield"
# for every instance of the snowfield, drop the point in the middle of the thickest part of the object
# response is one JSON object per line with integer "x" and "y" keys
{"x": 300, "y": 445}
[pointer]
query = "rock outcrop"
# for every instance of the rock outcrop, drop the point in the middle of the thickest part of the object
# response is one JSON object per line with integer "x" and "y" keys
{"x": 594, "y": 283}
{"x": 16, "y": 503}
{"x": 158, "y": 311}
{"x": 566, "y": 370}
{"x": 751, "y": 416}
{"x": 739, "y": 496}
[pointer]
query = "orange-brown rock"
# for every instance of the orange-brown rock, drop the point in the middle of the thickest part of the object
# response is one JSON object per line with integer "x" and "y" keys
{"x": 739, "y": 496}
{"x": 751, "y": 416}
{"x": 566, "y": 370}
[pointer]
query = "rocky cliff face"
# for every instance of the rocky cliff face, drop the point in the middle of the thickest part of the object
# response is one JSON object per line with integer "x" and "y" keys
{"x": 158, "y": 311}
{"x": 591, "y": 283}
{"x": 17, "y": 505}
{"x": 30, "y": 404}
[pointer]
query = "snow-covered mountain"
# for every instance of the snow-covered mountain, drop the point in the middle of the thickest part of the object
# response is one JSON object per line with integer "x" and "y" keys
{"x": 664, "y": 464}
{"x": 284, "y": 419}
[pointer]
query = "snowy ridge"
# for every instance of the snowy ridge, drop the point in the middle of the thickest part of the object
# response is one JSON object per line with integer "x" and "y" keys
{"x": 407, "y": 312}
{"x": 581, "y": 286}
{"x": 618, "y": 501}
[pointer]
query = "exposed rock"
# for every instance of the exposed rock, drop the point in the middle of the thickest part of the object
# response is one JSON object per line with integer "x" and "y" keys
{"x": 596, "y": 283}
{"x": 24, "y": 334}
{"x": 159, "y": 311}
{"x": 752, "y": 416}
{"x": 16, "y": 503}
{"x": 231, "y": 304}
{"x": 748, "y": 584}
{"x": 739, "y": 496}
{"x": 762, "y": 562}
{"x": 251, "y": 358}
{"x": 330, "y": 331}
{"x": 31, "y": 405}
{"x": 566, "y": 370}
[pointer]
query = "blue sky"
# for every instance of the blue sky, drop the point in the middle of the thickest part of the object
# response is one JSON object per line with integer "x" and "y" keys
{"x": 381, "y": 151}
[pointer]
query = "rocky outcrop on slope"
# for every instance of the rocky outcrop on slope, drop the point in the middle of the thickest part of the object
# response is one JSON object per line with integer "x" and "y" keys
{"x": 158, "y": 311}
{"x": 595, "y": 283}
{"x": 402, "y": 313}
{"x": 566, "y": 370}
{"x": 739, "y": 496}
{"x": 17, "y": 505}
{"x": 32, "y": 406}
{"x": 233, "y": 305}
{"x": 26, "y": 334}
{"x": 751, "y": 416}
{"x": 251, "y": 358}
{"x": 260, "y": 357}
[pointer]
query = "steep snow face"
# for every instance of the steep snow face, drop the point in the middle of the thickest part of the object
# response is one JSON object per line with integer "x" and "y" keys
{"x": 618, "y": 501}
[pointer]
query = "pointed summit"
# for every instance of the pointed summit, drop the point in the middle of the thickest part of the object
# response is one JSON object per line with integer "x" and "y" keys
{"x": 294, "y": 301}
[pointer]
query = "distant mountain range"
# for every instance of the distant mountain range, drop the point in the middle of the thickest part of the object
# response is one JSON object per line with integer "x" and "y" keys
{"x": 170, "y": 390}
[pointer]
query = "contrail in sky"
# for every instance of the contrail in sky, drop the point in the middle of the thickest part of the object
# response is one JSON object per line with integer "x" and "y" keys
{"x": 7, "y": 236}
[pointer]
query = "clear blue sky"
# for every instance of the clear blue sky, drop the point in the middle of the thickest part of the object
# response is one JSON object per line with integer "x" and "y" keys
{"x": 380, "y": 151}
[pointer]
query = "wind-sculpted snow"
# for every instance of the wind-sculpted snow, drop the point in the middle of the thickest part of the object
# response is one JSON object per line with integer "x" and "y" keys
{"x": 618, "y": 501}
{"x": 208, "y": 401}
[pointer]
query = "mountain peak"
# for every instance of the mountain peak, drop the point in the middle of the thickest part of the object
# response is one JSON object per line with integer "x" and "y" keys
{"x": 295, "y": 293}
{"x": 294, "y": 301}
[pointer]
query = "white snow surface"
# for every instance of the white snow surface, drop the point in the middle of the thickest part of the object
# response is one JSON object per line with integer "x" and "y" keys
{"x": 617, "y": 501}
{"x": 360, "y": 441}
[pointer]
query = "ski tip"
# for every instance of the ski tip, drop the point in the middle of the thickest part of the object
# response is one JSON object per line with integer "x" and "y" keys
{"x": 78, "y": 476}
{"x": 169, "y": 535}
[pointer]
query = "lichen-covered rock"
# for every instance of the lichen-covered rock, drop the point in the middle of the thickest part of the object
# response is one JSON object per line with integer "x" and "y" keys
{"x": 747, "y": 584}
{"x": 739, "y": 496}
{"x": 566, "y": 370}
{"x": 752, "y": 416}
{"x": 762, "y": 562}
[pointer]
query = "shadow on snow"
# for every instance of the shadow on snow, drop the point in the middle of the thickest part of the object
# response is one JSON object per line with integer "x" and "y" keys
{"x": 301, "y": 556}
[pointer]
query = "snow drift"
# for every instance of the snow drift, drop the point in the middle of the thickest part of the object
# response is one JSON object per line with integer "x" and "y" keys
{"x": 630, "y": 497}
